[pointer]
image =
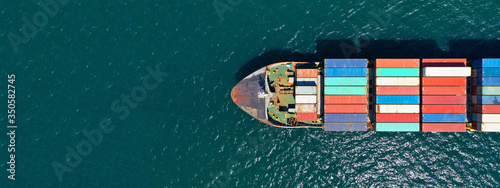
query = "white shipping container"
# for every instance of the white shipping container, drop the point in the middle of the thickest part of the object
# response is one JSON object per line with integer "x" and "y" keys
{"x": 398, "y": 108}
{"x": 447, "y": 71}
{"x": 398, "y": 81}
{"x": 488, "y": 118}
{"x": 490, "y": 127}
{"x": 305, "y": 99}
{"x": 305, "y": 90}
{"x": 306, "y": 108}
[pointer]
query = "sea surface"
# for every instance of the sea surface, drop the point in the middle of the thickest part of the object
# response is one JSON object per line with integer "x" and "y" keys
{"x": 154, "y": 79}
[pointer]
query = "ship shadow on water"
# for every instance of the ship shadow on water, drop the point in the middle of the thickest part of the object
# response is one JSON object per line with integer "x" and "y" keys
{"x": 372, "y": 49}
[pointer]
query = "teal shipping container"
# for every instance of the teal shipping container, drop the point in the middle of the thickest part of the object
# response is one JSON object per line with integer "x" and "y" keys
{"x": 399, "y": 72}
{"x": 346, "y": 81}
{"x": 345, "y": 90}
{"x": 398, "y": 127}
{"x": 488, "y": 90}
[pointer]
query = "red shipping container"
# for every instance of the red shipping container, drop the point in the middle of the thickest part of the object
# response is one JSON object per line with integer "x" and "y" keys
{"x": 408, "y": 63}
{"x": 306, "y": 116}
{"x": 398, "y": 118}
{"x": 346, "y": 109}
{"x": 444, "y": 109}
{"x": 346, "y": 99}
{"x": 444, "y": 81}
{"x": 474, "y": 91}
{"x": 439, "y": 90}
{"x": 398, "y": 90}
{"x": 444, "y": 99}
{"x": 444, "y": 62}
{"x": 444, "y": 127}
{"x": 486, "y": 109}
{"x": 307, "y": 73}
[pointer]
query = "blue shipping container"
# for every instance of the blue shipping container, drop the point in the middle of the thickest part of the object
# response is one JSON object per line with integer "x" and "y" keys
{"x": 397, "y": 127}
{"x": 486, "y": 63}
{"x": 346, "y": 72}
{"x": 345, "y": 127}
{"x": 342, "y": 118}
{"x": 488, "y": 72}
{"x": 444, "y": 118}
{"x": 486, "y": 99}
{"x": 488, "y": 81}
{"x": 340, "y": 63}
{"x": 398, "y": 99}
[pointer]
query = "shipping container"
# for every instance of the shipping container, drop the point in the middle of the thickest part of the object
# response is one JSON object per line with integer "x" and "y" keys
{"x": 444, "y": 118}
{"x": 346, "y": 127}
{"x": 398, "y": 127}
{"x": 398, "y": 90}
{"x": 449, "y": 62}
{"x": 444, "y": 99}
{"x": 486, "y": 81}
{"x": 398, "y": 99}
{"x": 491, "y": 99}
{"x": 444, "y": 81}
{"x": 486, "y": 127}
{"x": 346, "y": 109}
{"x": 487, "y": 72}
{"x": 306, "y": 108}
{"x": 397, "y": 81}
{"x": 345, "y": 90}
{"x": 301, "y": 116}
{"x": 486, "y": 109}
{"x": 398, "y": 118}
{"x": 447, "y": 71}
{"x": 486, "y": 63}
{"x": 307, "y": 73}
{"x": 341, "y": 63}
{"x": 346, "y": 72}
{"x": 444, "y": 90}
{"x": 398, "y": 108}
{"x": 307, "y": 81}
{"x": 342, "y": 118}
{"x": 444, "y": 109}
{"x": 305, "y": 99}
{"x": 474, "y": 73}
{"x": 346, "y": 81}
{"x": 410, "y": 63}
{"x": 487, "y": 118}
{"x": 346, "y": 99}
{"x": 305, "y": 90}
{"x": 444, "y": 127}
{"x": 397, "y": 72}
{"x": 486, "y": 90}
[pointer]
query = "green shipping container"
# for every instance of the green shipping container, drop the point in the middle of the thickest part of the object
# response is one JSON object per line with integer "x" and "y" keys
{"x": 345, "y": 90}
{"x": 346, "y": 81}
{"x": 401, "y": 72}
{"x": 488, "y": 90}
{"x": 398, "y": 127}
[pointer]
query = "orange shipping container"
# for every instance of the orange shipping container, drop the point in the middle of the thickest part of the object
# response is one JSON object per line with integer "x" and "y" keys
{"x": 408, "y": 63}
{"x": 346, "y": 109}
{"x": 444, "y": 109}
{"x": 451, "y": 62}
{"x": 398, "y": 90}
{"x": 439, "y": 90}
{"x": 346, "y": 99}
{"x": 486, "y": 109}
{"x": 444, "y": 81}
{"x": 307, "y": 73}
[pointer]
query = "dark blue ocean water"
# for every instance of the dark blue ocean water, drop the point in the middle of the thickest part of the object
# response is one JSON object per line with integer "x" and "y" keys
{"x": 88, "y": 62}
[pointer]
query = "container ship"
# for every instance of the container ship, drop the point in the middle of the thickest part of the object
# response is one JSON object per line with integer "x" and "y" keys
{"x": 386, "y": 95}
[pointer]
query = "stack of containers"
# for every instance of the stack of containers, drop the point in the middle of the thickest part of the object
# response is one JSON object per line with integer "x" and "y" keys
{"x": 444, "y": 95}
{"x": 346, "y": 95}
{"x": 305, "y": 95}
{"x": 398, "y": 94}
{"x": 486, "y": 95}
